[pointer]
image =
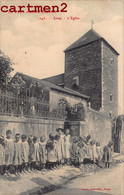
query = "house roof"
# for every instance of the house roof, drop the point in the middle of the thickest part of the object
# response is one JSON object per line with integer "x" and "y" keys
{"x": 48, "y": 85}
{"x": 57, "y": 79}
{"x": 87, "y": 38}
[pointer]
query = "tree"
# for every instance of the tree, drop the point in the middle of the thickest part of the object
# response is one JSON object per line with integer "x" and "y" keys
{"x": 5, "y": 69}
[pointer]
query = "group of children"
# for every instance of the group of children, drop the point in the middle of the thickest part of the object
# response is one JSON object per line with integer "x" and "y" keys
{"x": 26, "y": 154}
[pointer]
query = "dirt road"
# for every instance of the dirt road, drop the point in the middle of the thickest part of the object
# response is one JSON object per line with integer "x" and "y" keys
{"x": 107, "y": 181}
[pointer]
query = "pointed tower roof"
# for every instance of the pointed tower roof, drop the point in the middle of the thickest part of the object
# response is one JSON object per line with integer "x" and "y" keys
{"x": 87, "y": 38}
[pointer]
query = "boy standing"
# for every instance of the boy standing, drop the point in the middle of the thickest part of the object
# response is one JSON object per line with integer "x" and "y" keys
{"x": 9, "y": 150}
{"x": 2, "y": 156}
{"x": 18, "y": 153}
{"x": 51, "y": 152}
{"x": 42, "y": 152}
{"x": 31, "y": 150}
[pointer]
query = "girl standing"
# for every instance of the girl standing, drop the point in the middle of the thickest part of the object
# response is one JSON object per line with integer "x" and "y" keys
{"x": 25, "y": 153}
{"x": 42, "y": 152}
{"x": 35, "y": 154}
{"x": 67, "y": 146}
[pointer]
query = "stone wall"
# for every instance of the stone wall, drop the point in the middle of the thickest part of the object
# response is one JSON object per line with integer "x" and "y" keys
{"x": 98, "y": 126}
{"x": 29, "y": 126}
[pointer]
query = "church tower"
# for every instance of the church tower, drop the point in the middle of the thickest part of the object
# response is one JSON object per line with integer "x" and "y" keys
{"x": 91, "y": 68}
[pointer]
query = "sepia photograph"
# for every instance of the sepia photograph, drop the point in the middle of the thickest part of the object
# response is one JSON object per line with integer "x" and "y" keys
{"x": 61, "y": 97}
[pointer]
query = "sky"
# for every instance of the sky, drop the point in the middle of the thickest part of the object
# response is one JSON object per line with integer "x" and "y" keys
{"x": 36, "y": 46}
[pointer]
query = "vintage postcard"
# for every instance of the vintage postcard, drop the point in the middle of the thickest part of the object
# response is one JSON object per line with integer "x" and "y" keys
{"x": 61, "y": 97}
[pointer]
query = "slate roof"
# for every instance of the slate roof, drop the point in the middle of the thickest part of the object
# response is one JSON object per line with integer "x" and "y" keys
{"x": 48, "y": 85}
{"x": 87, "y": 38}
{"x": 57, "y": 79}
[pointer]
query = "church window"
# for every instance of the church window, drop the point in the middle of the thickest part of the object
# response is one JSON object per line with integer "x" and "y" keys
{"x": 110, "y": 113}
{"x": 111, "y": 60}
{"x": 111, "y": 97}
{"x": 76, "y": 80}
{"x": 28, "y": 92}
{"x": 110, "y": 76}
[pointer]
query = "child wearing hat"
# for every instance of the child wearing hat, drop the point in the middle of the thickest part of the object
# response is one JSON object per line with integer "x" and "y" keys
{"x": 18, "y": 153}
{"x": 67, "y": 146}
{"x": 9, "y": 150}
{"x": 42, "y": 152}
{"x": 35, "y": 154}
{"x": 2, "y": 156}
{"x": 25, "y": 153}
{"x": 51, "y": 152}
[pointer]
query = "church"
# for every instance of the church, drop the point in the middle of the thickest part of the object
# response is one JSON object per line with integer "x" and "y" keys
{"x": 84, "y": 98}
{"x": 91, "y": 68}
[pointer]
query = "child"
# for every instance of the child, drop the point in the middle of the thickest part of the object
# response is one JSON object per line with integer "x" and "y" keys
{"x": 105, "y": 151}
{"x": 67, "y": 146}
{"x": 94, "y": 154}
{"x": 18, "y": 153}
{"x": 31, "y": 150}
{"x": 2, "y": 156}
{"x": 35, "y": 154}
{"x": 73, "y": 151}
{"x": 62, "y": 143}
{"x": 42, "y": 152}
{"x": 57, "y": 143}
{"x": 109, "y": 154}
{"x": 88, "y": 139}
{"x": 25, "y": 153}
{"x": 51, "y": 152}
{"x": 80, "y": 153}
{"x": 99, "y": 153}
{"x": 9, "y": 150}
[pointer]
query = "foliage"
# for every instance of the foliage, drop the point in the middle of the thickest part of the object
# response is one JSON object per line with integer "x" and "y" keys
{"x": 5, "y": 69}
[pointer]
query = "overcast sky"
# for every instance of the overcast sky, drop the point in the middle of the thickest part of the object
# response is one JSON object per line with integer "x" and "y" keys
{"x": 36, "y": 46}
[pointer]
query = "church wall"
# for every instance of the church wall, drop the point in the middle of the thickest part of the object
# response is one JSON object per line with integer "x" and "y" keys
{"x": 55, "y": 96}
{"x": 85, "y": 62}
{"x": 110, "y": 80}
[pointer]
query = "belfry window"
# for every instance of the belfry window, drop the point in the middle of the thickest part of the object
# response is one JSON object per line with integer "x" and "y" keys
{"x": 111, "y": 97}
{"x": 75, "y": 84}
{"x": 76, "y": 80}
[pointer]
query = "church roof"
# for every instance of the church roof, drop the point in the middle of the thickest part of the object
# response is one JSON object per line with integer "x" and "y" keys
{"x": 57, "y": 79}
{"x": 87, "y": 38}
{"x": 47, "y": 84}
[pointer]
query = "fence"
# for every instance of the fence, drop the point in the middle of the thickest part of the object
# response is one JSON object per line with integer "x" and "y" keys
{"x": 30, "y": 107}
{"x": 16, "y": 106}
